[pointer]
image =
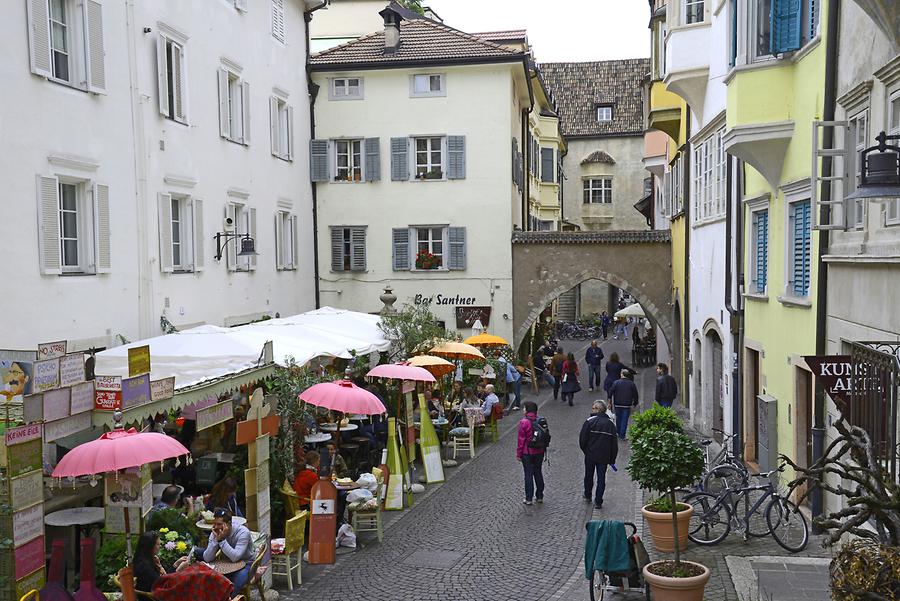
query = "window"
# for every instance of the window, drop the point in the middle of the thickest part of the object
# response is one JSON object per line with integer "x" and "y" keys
{"x": 278, "y": 20}
{"x": 598, "y": 190}
{"x": 780, "y": 26}
{"x": 348, "y": 160}
{"x": 431, "y": 84}
{"x": 68, "y": 226}
{"x": 244, "y": 223}
{"x": 860, "y": 122}
{"x": 180, "y": 233}
{"x": 762, "y": 28}
{"x": 73, "y": 226}
{"x": 799, "y": 234}
{"x": 604, "y": 113}
{"x": 429, "y": 158}
{"x": 66, "y": 42}
{"x": 708, "y": 178}
{"x": 177, "y": 224}
{"x": 759, "y": 258}
{"x": 348, "y": 248}
{"x": 346, "y": 88}
{"x": 429, "y": 247}
{"x": 234, "y": 106}
{"x": 893, "y": 207}
{"x": 677, "y": 186}
{"x": 171, "y": 75}
{"x": 285, "y": 241}
{"x": 281, "y": 118}
{"x": 547, "y": 166}
{"x": 693, "y": 11}
{"x": 661, "y": 51}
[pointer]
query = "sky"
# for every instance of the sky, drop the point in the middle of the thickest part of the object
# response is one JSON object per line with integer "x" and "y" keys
{"x": 559, "y": 30}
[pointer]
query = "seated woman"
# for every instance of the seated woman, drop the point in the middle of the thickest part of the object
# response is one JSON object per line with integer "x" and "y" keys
{"x": 224, "y": 494}
{"x": 336, "y": 461}
{"x": 146, "y": 565}
{"x": 306, "y": 477}
{"x": 235, "y": 544}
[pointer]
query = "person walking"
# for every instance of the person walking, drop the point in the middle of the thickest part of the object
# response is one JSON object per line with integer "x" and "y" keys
{"x": 624, "y": 397}
{"x": 532, "y": 443}
{"x": 556, "y": 365}
{"x": 540, "y": 366}
{"x": 600, "y": 447}
{"x": 605, "y": 321}
{"x": 666, "y": 386}
{"x": 593, "y": 356}
{"x": 570, "y": 384}
{"x": 614, "y": 369}
{"x": 513, "y": 384}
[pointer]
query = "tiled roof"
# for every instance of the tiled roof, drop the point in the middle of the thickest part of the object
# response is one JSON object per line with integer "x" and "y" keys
{"x": 503, "y": 36}
{"x": 598, "y": 156}
{"x": 421, "y": 41}
{"x": 578, "y": 88}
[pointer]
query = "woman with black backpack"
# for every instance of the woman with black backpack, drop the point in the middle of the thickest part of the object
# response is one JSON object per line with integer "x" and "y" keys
{"x": 532, "y": 443}
{"x": 570, "y": 384}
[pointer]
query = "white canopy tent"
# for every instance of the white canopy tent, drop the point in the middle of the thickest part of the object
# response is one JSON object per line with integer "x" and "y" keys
{"x": 634, "y": 310}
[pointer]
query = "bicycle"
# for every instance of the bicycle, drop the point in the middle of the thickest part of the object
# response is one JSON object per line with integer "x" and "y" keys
{"x": 725, "y": 469}
{"x": 715, "y": 516}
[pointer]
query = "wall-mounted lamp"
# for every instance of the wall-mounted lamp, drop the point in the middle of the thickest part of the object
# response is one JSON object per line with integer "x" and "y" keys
{"x": 879, "y": 171}
{"x": 248, "y": 245}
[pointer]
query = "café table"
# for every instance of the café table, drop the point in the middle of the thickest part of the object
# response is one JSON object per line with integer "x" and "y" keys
{"x": 82, "y": 519}
{"x": 317, "y": 438}
{"x": 235, "y": 521}
{"x": 334, "y": 428}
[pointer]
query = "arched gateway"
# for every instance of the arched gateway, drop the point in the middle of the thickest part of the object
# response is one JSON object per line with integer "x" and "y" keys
{"x": 547, "y": 264}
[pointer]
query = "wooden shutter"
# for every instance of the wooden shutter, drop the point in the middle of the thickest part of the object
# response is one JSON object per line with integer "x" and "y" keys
{"x": 812, "y": 23}
{"x": 456, "y": 157}
{"x": 273, "y": 126}
{"x": 278, "y": 19}
{"x": 292, "y": 264}
{"x": 318, "y": 160}
{"x": 399, "y": 159}
{"x": 337, "y": 249}
{"x": 165, "y": 233}
{"x": 39, "y": 38}
{"x": 96, "y": 58}
{"x": 785, "y": 26}
{"x": 358, "y": 248}
{"x": 251, "y": 261}
{"x": 103, "y": 250}
{"x": 162, "y": 75}
{"x": 279, "y": 241}
{"x": 48, "y": 225}
{"x": 178, "y": 81}
{"x": 457, "y": 239}
{"x": 290, "y": 133}
{"x": 400, "y": 247}
{"x": 245, "y": 108}
{"x": 199, "y": 238}
{"x": 373, "y": 159}
{"x": 547, "y": 165}
{"x": 230, "y": 252}
{"x": 224, "y": 121}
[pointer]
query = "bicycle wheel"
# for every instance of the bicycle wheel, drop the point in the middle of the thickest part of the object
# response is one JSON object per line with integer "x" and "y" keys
{"x": 710, "y": 521}
{"x": 757, "y": 524}
{"x": 722, "y": 477}
{"x": 599, "y": 582}
{"x": 788, "y": 525}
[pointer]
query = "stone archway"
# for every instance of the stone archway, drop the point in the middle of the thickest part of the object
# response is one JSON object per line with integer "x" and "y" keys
{"x": 547, "y": 264}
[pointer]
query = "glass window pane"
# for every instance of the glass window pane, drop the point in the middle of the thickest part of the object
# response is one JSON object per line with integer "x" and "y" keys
{"x": 69, "y": 224}
{"x": 68, "y": 196}
{"x": 420, "y": 83}
{"x": 70, "y": 253}
{"x": 894, "y": 113}
{"x": 435, "y": 83}
{"x": 58, "y": 10}
{"x": 421, "y": 144}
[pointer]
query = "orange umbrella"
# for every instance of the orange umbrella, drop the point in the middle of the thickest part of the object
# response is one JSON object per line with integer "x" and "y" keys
{"x": 486, "y": 339}
{"x": 457, "y": 350}
{"x": 437, "y": 366}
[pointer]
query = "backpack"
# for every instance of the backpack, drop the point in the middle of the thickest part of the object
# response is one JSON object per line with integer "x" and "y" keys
{"x": 540, "y": 434}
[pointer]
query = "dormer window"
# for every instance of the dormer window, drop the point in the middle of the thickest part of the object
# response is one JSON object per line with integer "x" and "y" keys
{"x": 430, "y": 84}
{"x": 604, "y": 113}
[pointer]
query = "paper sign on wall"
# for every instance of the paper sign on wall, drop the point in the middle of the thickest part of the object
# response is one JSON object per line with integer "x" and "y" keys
{"x": 115, "y": 519}
{"x": 107, "y": 400}
{"x": 108, "y": 383}
{"x": 46, "y": 375}
{"x": 124, "y": 489}
{"x": 23, "y": 434}
{"x": 28, "y": 524}
{"x": 82, "y": 397}
{"x": 26, "y": 490}
{"x": 262, "y": 502}
{"x": 162, "y": 389}
{"x": 66, "y": 427}
{"x": 215, "y": 414}
{"x": 56, "y": 403}
{"x": 33, "y": 408}
{"x": 135, "y": 391}
{"x": 71, "y": 369}
{"x": 29, "y": 557}
{"x": 138, "y": 361}
{"x": 51, "y": 350}
{"x": 26, "y": 457}
{"x": 32, "y": 582}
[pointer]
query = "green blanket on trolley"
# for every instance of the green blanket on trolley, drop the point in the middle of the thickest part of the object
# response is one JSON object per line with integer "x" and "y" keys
{"x": 606, "y": 548}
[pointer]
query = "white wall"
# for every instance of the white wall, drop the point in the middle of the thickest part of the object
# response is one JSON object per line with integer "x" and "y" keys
{"x": 119, "y": 132}
{"x": 483, "y": 202}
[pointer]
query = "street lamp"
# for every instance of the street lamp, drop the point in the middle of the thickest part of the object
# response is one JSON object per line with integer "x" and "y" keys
{"x": 879, "y": 172}
{"x": 248, "y": 245}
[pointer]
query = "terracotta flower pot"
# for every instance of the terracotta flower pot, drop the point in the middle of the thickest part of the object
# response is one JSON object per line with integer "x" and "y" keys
{"x": 661, "y": 528}
{"x": 677, "y": 589}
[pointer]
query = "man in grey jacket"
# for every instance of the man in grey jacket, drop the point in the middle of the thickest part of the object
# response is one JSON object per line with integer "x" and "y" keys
{"x": 236, "y": 544}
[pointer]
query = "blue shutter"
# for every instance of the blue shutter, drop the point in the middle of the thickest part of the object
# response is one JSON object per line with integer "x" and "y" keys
{"x": 373, "y": 160}
{"x": 812, "y": 19}
{"x": 400, "y": 245}
{"x": 801, "y": 248}
{"x": 456, "y": 157}
{"x": 318, "y": 160}
{"x": 457, "y": 238}
{"x": 762, "y": 250}
{"x": 358, "y": 248}
{"x": 785, "y": 26}
{"x": 399, "y": 160}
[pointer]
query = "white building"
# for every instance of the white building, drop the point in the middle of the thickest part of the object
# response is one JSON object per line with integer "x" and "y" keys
{"x": 132, "y": 130}
{"x": 695, "y": 69}
{"x": 417, "y": 150}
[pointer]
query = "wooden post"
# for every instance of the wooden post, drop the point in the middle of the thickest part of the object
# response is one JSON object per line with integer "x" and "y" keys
{"x": 535, "y": 385}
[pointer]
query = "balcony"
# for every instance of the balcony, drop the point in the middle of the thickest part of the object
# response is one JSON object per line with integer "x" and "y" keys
{"x": 597, "y": 215}
{"x": 687, "y": 63}
{"x": 656, "y": 155}
{"x": 886, "y": 16}
{"x": 666, "y": 111}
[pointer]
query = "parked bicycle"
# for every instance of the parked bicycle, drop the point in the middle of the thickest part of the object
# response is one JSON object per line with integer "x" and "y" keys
{"x": 740, "y": 507}
{"x": 725, "y": 469}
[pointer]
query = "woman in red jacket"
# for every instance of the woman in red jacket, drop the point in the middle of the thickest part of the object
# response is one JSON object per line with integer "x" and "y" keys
{"x": 305, "y": 478}
{"x": 570, "y": 384}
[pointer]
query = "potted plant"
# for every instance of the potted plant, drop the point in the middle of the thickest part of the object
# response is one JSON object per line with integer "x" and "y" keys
{"x": 426, "y": 260}
{"x": 664, "y": 460}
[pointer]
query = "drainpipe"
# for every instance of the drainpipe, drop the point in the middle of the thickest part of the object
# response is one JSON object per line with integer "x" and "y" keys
{"x": 313, "y": 93}
{"x": 735, "y": 311}
{"x": 686, "y": 209}
{"x": 526, "y": 175}
{"x": 818, "y": 430}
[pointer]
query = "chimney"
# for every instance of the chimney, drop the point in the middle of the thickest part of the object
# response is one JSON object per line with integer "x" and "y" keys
{"x": 391, "y": 30}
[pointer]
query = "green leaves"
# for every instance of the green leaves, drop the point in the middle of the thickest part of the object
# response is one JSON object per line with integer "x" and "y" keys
{"x": 409, "y": 328}
{"x": 657, "y": 417}
{"x": 663, "y": 460}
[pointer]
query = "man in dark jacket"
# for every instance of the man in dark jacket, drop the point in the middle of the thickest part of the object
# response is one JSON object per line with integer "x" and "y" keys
{"x": 600, "y": 447}
{"x": 556, "y": 364}
{"x": 666, "y": 387}
{"x": 593, "y": 357}
{"x": 624, "y": 395}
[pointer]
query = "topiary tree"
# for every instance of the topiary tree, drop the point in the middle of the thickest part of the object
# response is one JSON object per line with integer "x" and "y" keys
{"x": 411, "y": 327}
{"x": 656, "y": 417}
{"x": 662, "y": 461}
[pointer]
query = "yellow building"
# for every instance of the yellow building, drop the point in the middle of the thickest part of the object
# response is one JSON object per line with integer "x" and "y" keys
{"x": 775, "y": 92}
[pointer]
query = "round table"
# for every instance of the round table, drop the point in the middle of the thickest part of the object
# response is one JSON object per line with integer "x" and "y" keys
{"x": 317, "y": 438}
{"x": 81, "y": 518}
{"x": 334, "y": 427}
{"x": 235, "y": 521}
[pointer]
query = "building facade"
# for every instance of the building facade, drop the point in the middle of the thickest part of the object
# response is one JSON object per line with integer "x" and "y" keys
{"x": 415, "y": 189}
{"x": 132, "y": 135}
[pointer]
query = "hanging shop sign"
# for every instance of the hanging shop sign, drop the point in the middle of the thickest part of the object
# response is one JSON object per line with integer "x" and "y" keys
{"x": 467, "y": 316}
{"x": 835, "y": 373}
{"x": 162, "y": 389}
{"x": 56, "y": 403}
{"x": 214, "y": 415}
{"x": 71, "y": 369}
{"x": 444, "y": 300}
{"x": 108, "y": 400}
{"x": 51, "y": 350}
{"x": 138, "y": 360}
{"x": 135, "y": 391}
{"x": 82, "y": 397}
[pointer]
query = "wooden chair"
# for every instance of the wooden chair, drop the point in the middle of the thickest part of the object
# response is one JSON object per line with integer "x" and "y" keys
{"x": 31, "y": 595}
{"x": 291, "y": 500}
{"x": 490, "y": 426}
{"x": 464, "y": 442}
{"x": 119, "y": 578}
{"x": 283, "y": 563}
{"x": 369, "y": 520}
{"x": 257, "y": 569}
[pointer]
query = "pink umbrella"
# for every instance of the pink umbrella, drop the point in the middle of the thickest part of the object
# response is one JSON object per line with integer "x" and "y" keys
{"x": 401, "y": 371}
{"x": 343, "y": 396}
{"x": 117, "y": 450}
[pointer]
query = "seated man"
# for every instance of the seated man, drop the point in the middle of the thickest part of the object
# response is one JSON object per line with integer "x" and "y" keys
{"x": 235, "y": 544}
{"x": 171, "y": 499}
{"x": 489, "y": 401}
